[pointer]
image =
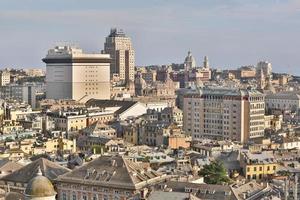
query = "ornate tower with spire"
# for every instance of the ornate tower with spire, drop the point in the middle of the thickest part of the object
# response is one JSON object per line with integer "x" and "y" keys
{"x": 261, "y": 80}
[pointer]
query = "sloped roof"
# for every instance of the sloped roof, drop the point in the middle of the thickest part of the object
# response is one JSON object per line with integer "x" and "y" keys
{"x": 111, "y": 171}
{"x": 7, "y": 165}
{"x": 124, "y": 105}
{"x": 49, "y": 169}
{"x": 220, "y": 192}
{"x": 95, "y": 127}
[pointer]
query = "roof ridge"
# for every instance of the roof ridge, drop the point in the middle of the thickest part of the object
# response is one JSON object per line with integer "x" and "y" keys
{"x": 128, "y": 170}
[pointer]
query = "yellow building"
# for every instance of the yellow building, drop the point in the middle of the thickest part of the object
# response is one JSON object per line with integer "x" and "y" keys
{"x": 258, "y": 166}
{"x": 9, "y": 126}
{"x": 60, "y": 144}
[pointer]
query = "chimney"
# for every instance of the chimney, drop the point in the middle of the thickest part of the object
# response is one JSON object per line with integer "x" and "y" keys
{"x": 113, "y": 163}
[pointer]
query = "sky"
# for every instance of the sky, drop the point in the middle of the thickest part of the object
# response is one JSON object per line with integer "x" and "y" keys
{"x": 232, "y": 33}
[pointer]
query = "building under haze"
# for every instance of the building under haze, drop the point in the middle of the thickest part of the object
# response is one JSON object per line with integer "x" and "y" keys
{"x": 72, "y": 74}
{"x": 119, "y": 46}
{"x": 189, "y": 62}
{"x": 4, "y": 77}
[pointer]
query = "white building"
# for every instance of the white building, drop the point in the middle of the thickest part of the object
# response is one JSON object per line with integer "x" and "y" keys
{"x": 4, "y": 77}
{"x": 224, "y": 114}
{"x": 119, "y": 46}
{"x": 72, "y": 74}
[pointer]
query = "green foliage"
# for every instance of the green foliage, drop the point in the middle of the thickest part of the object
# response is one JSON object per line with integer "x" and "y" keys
{"x": 147, "y": 159}
{"x": 9, "y": 139}
{"x": 284, "y": 173}
{"x": 214, "y": 173}
{"x": 99, "y": 149}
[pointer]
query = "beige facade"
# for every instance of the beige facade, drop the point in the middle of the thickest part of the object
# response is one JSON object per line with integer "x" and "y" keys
{"x": 273, "y": 122}
{"x": 70, "y": 123}
{"x": 4, "y": 77}
{"x": 72, "y": 74}
{"x": 130, "y": 134}
{"x": 119, "y": 46}
{"x": 226, "y": 114}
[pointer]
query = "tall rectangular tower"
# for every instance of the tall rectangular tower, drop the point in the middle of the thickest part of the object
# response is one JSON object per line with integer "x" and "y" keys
{"x": 72, "y": 74}
{"x": 119, "y": 46}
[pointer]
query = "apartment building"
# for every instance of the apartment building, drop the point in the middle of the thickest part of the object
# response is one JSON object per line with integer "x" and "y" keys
{"x": 258, "y": 166}
{"x": 285, "y": 100}
{"x": 26, "y": 92}
{"x": 224, "y": 114}
{"x": 78, "y": 119}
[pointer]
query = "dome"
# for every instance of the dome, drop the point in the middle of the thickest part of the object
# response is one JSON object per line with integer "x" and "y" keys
{"x": 40, "y": 186}
{"x": 190, "y": 61}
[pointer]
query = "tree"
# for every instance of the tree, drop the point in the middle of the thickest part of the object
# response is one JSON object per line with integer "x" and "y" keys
{"x": 284, "y": 173}
{"x": 214, "y": 173}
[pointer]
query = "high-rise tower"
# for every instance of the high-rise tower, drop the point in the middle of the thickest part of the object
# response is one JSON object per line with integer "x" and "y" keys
{"x": 119, "y": 46}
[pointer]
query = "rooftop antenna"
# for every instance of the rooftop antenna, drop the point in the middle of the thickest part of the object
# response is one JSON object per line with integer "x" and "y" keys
{"x": 67, "y": 43}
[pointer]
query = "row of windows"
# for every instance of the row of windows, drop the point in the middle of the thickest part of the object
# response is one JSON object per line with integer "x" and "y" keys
{"x": 260, "y": 168}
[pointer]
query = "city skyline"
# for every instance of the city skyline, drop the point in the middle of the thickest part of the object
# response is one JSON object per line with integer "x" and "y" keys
{"x": 231, "y": 33}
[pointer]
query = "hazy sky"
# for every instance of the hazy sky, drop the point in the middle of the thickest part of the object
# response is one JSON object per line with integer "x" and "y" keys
{"x": 230, "y": 32}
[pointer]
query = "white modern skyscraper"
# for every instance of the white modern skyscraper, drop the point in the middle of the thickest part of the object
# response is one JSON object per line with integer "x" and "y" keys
{"x": 72, "y": 74}
{"x": 119, "y": 46}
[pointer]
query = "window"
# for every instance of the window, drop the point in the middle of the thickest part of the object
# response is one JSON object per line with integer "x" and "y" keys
{"x": 84, "y": 197}
{"x": 127, "y": 193}
{"x": 254, "y": 169}
{"x": 274, "y": 167}
{"x": 95, "y": 197}
{"x": 64, "y": 196}
{"x": 268, "y": 169}
{"x": 74, "y": 197}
